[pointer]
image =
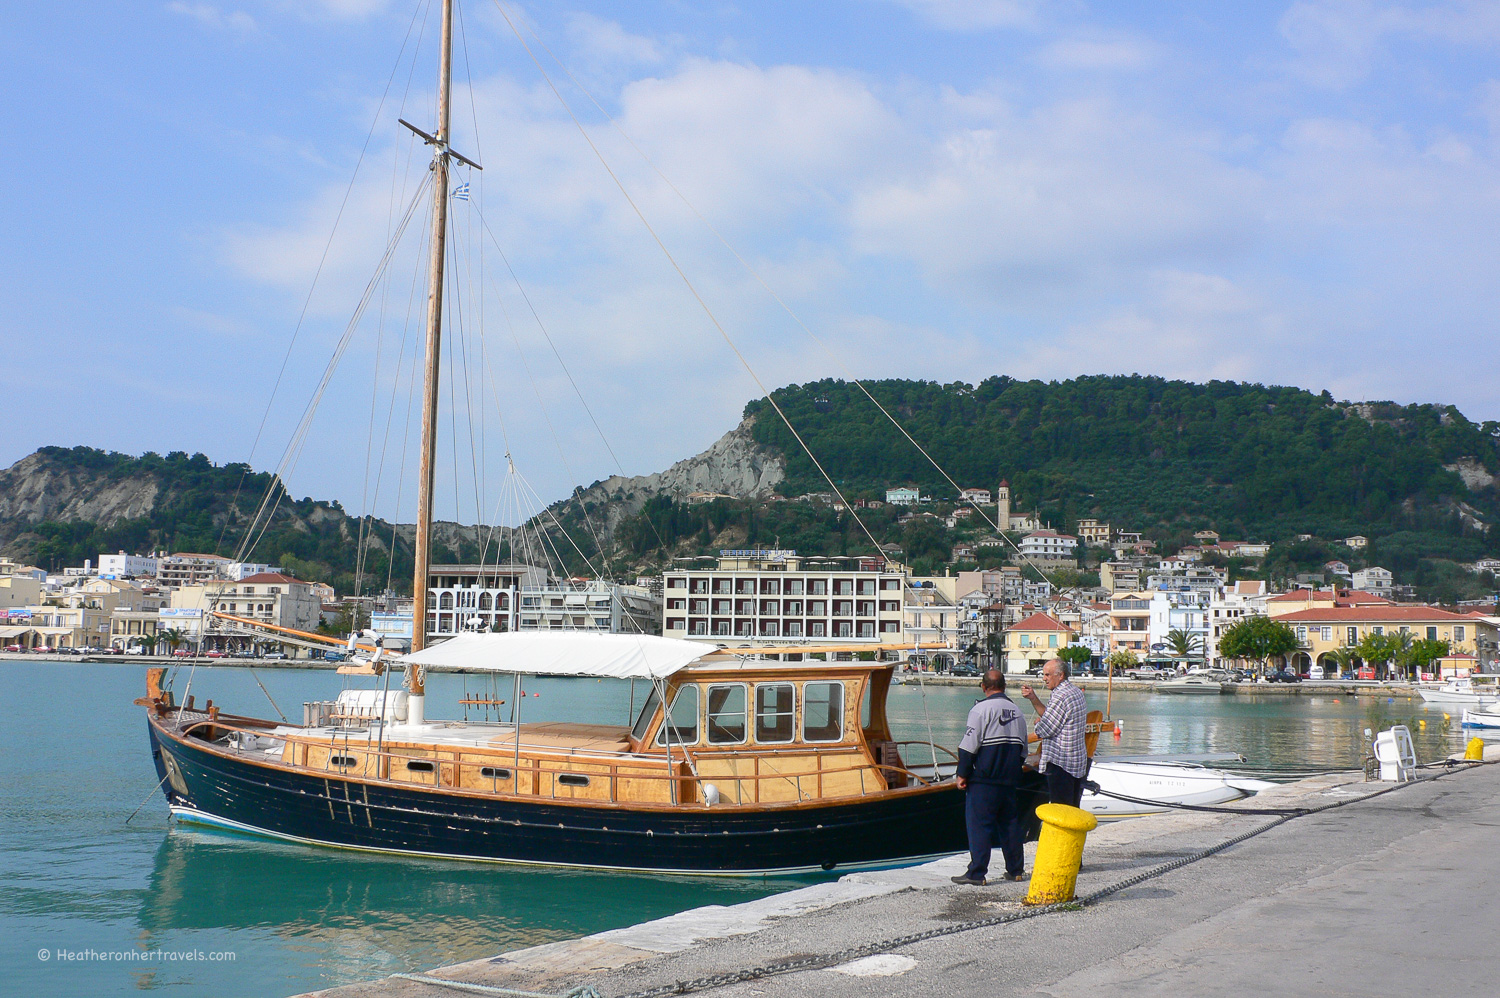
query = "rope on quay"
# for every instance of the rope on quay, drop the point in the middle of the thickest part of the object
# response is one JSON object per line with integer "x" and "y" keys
{"x": 820, "y": 961}
{"x": 582, "y": 991}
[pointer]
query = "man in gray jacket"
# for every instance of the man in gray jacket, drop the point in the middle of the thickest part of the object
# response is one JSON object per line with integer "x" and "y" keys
{"x": 990, "y": 757}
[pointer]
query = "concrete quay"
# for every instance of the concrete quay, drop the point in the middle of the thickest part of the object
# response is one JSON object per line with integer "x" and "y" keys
{"x": 1385, "y": 895}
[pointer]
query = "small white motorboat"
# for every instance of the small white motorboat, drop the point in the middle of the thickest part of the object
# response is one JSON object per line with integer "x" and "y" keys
{"x": 1461, "y": 691}
{"x": 1190, "y": 684}
{"x": 1487, "y": 716}
{"x": 1166, "y": 781}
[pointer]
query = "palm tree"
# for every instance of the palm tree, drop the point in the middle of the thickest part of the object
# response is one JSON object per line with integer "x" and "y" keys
{"x": 173, "y": 636}
{"x": 1345, "y": 658}
{"x": 1184, "y": 644}
{"x": 148, "y": 643}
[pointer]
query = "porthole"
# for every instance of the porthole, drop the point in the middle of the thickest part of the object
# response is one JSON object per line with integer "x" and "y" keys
{"x": 342, "y": 761}
{"x": 492, "y": 773}
{"x": 419, "y": 765}
{"x": 573, "y": 780}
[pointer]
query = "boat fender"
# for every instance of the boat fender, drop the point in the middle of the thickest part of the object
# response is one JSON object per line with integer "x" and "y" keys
{"x": 710, "y": 794}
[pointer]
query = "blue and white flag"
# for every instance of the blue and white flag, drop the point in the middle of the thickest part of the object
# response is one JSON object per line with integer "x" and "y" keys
{"x": 461, "y": 192}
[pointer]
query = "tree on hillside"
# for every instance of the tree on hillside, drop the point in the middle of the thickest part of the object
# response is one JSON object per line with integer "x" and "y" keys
{"x": 1258, "y": 639}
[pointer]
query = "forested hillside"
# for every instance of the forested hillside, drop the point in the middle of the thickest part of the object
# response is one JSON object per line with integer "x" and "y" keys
{"x": 62, "y": 505}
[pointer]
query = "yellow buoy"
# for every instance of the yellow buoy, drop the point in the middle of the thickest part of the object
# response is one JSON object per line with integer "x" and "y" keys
{"x": 1059, "y": 853}
{"x": 1474, "y": 750}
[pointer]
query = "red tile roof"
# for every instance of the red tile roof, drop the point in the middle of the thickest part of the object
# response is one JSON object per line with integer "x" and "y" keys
{"x": 1040, "y": 622}
{"x": 1375, "y": 614}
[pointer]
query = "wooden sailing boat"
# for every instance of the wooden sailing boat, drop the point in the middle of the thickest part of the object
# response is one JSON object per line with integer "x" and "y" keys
{"x": 734, "y": 765}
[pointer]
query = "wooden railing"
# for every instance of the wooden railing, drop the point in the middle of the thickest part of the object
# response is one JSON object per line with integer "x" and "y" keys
{"x": 684, "y": 784}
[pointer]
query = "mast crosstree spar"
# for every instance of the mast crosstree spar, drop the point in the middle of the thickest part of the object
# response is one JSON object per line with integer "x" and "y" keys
{"x": 423, "y": 553}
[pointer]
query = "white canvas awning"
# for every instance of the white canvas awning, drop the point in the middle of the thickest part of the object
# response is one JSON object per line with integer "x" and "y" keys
{"x": 564, "y": 653}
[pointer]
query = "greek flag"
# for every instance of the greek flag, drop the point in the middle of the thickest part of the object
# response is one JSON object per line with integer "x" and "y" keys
{"x": 461, "y": 192}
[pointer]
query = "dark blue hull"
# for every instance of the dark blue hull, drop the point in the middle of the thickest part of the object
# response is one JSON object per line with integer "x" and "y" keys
{"x": 896, "y": 828}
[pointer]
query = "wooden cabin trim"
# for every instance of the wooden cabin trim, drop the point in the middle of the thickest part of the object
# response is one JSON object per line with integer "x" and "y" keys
{"x": 682, "y": 778}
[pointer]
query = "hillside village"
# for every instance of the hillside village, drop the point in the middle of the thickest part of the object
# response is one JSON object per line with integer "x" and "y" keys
{"x": 1015, "y": 593}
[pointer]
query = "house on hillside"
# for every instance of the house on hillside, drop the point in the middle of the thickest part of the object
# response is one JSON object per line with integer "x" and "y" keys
{"x": 903, "y": 495}
{"x": 1357, "y": 543}
{"x": 980, "y": 497}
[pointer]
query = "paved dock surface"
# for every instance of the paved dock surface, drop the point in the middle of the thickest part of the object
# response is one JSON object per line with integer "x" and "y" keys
{"x": 1388, "y": 895}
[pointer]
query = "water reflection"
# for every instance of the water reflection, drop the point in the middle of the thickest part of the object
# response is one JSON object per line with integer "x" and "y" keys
{"x": 352, "y": 916}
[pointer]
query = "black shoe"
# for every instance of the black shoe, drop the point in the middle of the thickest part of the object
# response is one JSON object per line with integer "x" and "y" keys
{"x": 1015, "y": 876}
{"x": 969, "y": 881}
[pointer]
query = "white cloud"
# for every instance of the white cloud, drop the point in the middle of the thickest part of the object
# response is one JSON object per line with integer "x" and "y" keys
{"x": 1338, "y": 42}
{"x": 600, "y": 40}
{"x": 213, "y": 17}
{"x": 977, "y": 15}
{"x": 938, "y": 234}
{"x": 1097, "y": 54}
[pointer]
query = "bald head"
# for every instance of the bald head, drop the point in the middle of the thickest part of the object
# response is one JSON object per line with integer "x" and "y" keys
{"x": 1054, "y": 672}
{"x": 993, "y": 681}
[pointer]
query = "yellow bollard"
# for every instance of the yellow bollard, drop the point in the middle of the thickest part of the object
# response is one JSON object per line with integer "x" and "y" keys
{"x": 1474, "y": 750}
{"x": 1059, "y": 853}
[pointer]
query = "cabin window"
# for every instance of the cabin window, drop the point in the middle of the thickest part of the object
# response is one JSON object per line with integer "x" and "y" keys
{"x": 574, "y": 780}
{"x": 646, "y": 716}
{"x": 492, "y": 773}
{"x": 775, "y": 705}
{"x": 726, "y": 714}
{"x": 682, "y": 719}
{"x": 418, "y": 766}
{"x": 822, "y": 712}
{"x": 342, "y": 760}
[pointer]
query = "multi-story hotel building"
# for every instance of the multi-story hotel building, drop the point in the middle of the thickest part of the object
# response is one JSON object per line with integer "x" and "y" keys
{"x": 759, "y": 597}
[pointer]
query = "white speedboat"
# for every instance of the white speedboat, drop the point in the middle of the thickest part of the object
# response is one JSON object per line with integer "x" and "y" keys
{"x": 1461, "y": 691}
{"x": 1487, "y": 716}
{"x": 1190, "y": 684}
{"x": 1165, "y": 781}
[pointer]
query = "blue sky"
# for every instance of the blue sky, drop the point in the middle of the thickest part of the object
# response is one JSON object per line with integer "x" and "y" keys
{"x": 1300, "y": 193}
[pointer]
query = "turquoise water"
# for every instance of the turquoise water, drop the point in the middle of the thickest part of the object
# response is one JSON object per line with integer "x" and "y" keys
{"x": 75, "y": 877}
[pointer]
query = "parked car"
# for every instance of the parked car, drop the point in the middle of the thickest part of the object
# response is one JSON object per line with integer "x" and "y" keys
{"x": 114, "y": 650}
{"x": 1315, "y": 672}
{"x": 12, "y": 647}
{"x": 338, "y": 656}
{"x": 44, "y": 649}
{"x": 1284, "y": 676}
{"x": 962, "y": 669}
{"x": 275, "y": 655}
{"x": 181, "y": 653}
{"x": 214, "y": 654}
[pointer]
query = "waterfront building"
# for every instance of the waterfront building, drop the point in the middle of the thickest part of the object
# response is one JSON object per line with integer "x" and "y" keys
{"x": 930, "y": 615}
{"x": 1179, "y": 609}
{"x": 1325, "y": 629}
{"x": 1130, "y": 623}
{"x": 124, "y": 565}
{"x": 1320, "y": 599}
{"x": 590, "y": 605}
{"x": 1031, "y": 642}
{"x": 1232, "y": 603}
{"x": 756, "y": 596}
{"x": 1203, "y": 580}
{"x": 188, "y": 569}
{"x": 477, "y": 597}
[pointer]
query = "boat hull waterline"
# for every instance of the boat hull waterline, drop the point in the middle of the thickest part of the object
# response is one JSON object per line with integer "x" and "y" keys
{"x": 899, "y": 829}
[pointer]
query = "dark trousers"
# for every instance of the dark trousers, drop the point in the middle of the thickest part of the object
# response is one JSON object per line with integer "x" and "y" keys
{"x": 1063, "y": 787}
{"x": 994, "y": 819}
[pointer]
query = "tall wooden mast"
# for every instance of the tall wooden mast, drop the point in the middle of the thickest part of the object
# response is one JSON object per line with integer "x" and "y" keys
{"x": 439, "y": 142}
